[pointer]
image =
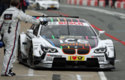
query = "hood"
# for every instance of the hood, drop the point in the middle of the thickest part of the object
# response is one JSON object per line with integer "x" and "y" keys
{"x": 74, "y": 42}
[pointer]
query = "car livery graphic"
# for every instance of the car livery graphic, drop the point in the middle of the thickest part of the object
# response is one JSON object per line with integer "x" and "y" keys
{"x": 65, "y": 42}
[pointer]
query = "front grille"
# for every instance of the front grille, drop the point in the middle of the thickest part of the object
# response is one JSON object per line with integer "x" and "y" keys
{"x": 83, "y": 51}
{"x": 69, "y": 51}
{"x": 73, "y": 51}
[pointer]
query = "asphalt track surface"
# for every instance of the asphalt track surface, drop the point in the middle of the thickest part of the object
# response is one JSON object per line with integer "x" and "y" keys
{"x": 110, "y": 21}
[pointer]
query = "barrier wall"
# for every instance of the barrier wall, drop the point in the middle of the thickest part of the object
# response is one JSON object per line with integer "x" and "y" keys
{"x": 101, "y": 3}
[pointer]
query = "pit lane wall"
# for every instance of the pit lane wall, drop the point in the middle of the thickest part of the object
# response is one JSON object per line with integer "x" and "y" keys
{"x": 101, "y": 3}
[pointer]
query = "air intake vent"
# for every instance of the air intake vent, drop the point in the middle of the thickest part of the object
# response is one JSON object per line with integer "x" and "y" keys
{"x": 69, "y": 51}
{"x": 83, "y": 51}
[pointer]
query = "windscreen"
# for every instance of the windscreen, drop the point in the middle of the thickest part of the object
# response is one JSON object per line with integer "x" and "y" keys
{"x": 64, "y": 30}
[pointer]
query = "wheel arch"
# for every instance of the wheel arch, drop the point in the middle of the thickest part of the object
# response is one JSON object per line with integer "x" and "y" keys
{"x": 110, "y": 47}
{"x": 22, "y": 42}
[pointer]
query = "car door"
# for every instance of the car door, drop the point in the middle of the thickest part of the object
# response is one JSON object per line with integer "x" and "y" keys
{"x": 31, "y": 35}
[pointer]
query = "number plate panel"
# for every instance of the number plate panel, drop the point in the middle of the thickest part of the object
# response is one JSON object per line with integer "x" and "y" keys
{"x": 76, "y": 58}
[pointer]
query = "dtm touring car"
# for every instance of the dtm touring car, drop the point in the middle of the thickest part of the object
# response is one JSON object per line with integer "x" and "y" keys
{"x": 46, "y": 4}
{"x": 65, "y": 42}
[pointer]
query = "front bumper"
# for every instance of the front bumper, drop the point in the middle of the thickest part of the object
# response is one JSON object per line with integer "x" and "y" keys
{"x": 91, "y": 63}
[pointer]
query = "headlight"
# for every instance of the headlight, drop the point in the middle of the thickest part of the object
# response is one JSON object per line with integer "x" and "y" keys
{"x": 49, "y": 50}
{"x": 100, "y": 50}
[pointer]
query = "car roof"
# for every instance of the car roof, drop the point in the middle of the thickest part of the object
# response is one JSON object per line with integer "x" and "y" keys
{"x": 57, "y": 20}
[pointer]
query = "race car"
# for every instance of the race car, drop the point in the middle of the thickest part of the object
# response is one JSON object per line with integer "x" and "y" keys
{"x": 47, "y": 4}
{"x": 65, "y": 42}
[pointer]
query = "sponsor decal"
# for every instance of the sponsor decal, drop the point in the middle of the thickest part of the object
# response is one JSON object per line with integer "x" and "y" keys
{"x": 52, "y": 6}
{"x": 66, "y": 23}
{"x": 76, "y": 58}
{"x": 71, "y": 23}
{"x": 8, "y": 16}
{"x": 74, "y": 42}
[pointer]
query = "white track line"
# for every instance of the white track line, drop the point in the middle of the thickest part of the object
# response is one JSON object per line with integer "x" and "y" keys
{"x": 102, "y": 75}
{"x": 78, "y": 77}
{"x": 30, "y": 72}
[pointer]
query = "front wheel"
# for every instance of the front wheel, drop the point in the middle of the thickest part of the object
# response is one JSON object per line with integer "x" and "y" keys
{"x": 112, "y": 60}
{"x": 30, "y": 59}
{"x": 19, "y": 56}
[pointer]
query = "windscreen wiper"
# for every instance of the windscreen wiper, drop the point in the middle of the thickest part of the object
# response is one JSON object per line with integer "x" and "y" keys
{"x": 68, "y": 28}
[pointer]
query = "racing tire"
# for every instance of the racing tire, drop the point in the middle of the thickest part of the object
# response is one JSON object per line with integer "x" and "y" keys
{"x": 19, "y": 56}
{"x": 30, "y": 60}
{"x": 112, "y": 60}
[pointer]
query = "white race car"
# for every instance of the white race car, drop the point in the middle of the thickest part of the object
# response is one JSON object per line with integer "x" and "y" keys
{"x": 65, "y": 42}
{"x": 47, "y": 4}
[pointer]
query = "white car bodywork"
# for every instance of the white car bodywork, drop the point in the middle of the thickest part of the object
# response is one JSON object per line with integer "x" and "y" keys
{"x": 47, "y": 4}
{"x": 103, "y": 54}
{"x": 31, "y": 1}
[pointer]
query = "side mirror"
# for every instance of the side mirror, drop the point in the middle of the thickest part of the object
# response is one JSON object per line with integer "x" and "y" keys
{"x": 44, "y": 22}
{"x": 101, "y": 32}
{"x": 30, "y": 31}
